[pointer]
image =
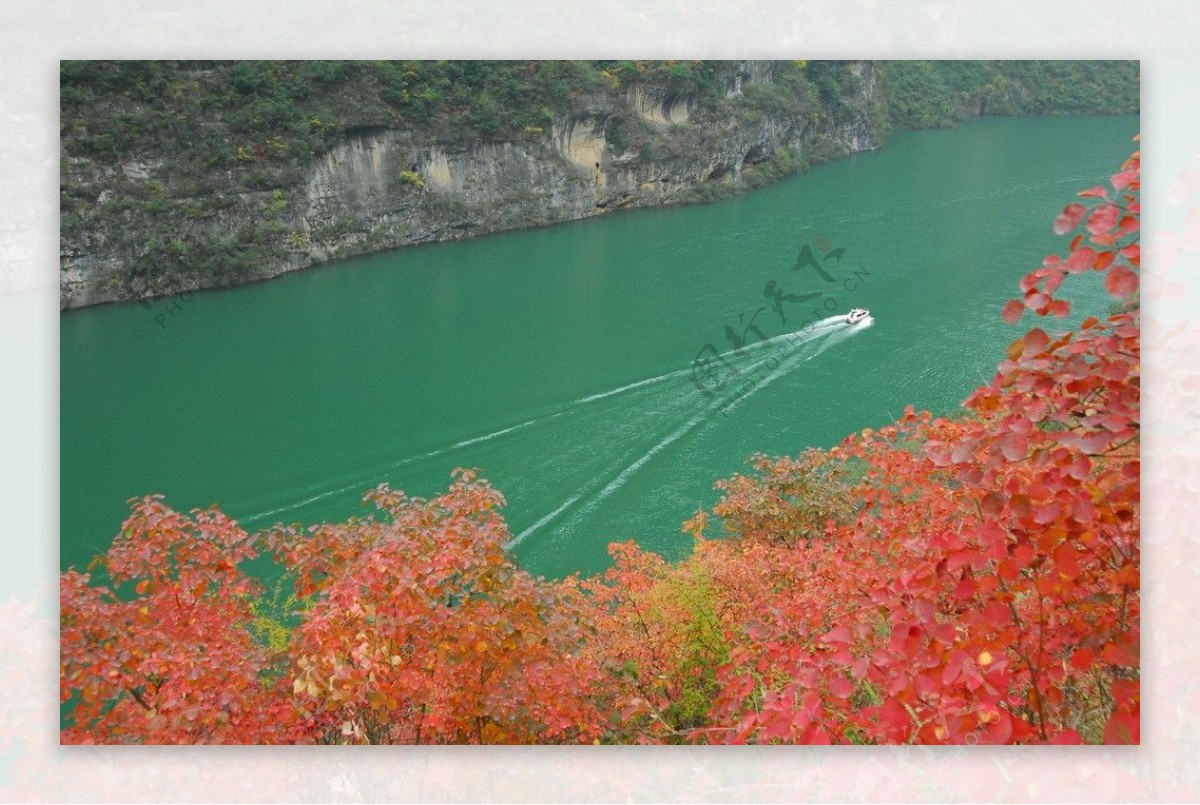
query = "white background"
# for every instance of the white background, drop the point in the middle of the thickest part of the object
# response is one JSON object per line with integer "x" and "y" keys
{"x": 35, "y": 35}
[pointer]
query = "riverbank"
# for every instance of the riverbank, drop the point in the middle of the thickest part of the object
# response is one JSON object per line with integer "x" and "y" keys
{"x": 181, "y": 176}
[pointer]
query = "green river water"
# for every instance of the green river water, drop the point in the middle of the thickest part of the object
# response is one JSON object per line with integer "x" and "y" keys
{"x": 524, "y": 354}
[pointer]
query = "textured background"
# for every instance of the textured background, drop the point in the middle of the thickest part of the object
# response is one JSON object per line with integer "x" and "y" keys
{"x": 34, "y": 35}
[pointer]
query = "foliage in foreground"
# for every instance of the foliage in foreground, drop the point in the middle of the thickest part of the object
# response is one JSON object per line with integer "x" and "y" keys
{"x": 969, "y": 580}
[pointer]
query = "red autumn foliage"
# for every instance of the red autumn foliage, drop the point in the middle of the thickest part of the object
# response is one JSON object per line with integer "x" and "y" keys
{"x": 422, "y": 629}
{"x": 986, "y": 589}
{"x": 176, "y": 663}
{"x": 939, "y": 580}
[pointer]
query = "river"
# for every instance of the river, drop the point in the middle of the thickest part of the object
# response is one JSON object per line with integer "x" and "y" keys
{"x": 590, "y": 369}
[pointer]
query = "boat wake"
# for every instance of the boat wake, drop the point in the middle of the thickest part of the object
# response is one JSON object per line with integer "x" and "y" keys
{"x": 826, "y": 336}
{"x": 826, "y": 333}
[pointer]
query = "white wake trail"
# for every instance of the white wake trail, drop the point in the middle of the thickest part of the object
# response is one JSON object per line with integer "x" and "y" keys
{"x": 365, "y": 479}
{"x": 786, "y": 366}
{"x": 792, "y": 361}
{"x": 814, "y": 330}
{"x": 638, "y": 384}
{"x": 628, "y": 472}
{"x": 809, "y": 333}
{"x": 297, "y": 505}
{"x": 520, "y": 537}
{"x": 497, "y": 433}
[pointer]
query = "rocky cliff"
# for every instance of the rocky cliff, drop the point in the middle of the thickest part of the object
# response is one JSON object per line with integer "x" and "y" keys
{"x": 383, "y": 186}
{"x": 143, "y": 216}
{"x": 388, "y": 188}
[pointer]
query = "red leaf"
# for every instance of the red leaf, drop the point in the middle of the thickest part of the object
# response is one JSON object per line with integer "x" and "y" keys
{"x": 895, "y": 721}
{"x": 1069, "y": 218}
{"x": 1079, "y": 468}
{"x": 1125, "y": 655}
{"x": 953, "y": 669}
{"x": 1123, "y": 179}
{"x": 841, "y": 687}
{"x": 838, "y": 635}
{"x": 860, "y": 667}
{"x": 1012, "y": 446}
{"x": 1066, "y": 559}
{"x": 943, "y": 633}
{"x": 999, "y": 728}
{"x": 992, "y": 504}
{"x": 1083, "y": 512}
{"x": 1059, "y": 307}
{"x": 997, "y": 614}
{"x": 1102, "y": 219}
{"x": 1036, "y": 301}
{"x": 1080, "y": 260}
{"x": 1082, "y": 659}
{"x": 1036, "y": 340}
{"x": 1126, "y": 694}
{"x": 1099, "y": 191}
{"x": 1012, "y": 311}
{"x": 1121, "y": 282}
{"x": 1046, "y": 513}
{"x": 1067, "y": 737}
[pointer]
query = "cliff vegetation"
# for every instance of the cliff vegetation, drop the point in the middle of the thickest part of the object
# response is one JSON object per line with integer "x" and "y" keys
{"x": 182, "y": 175}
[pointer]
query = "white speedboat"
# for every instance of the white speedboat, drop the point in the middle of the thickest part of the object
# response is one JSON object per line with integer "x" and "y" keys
{"x": 856, "y": 315}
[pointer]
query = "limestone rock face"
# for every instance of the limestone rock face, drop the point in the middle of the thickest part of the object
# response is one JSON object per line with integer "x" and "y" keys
{"x": 381, "y": 188}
